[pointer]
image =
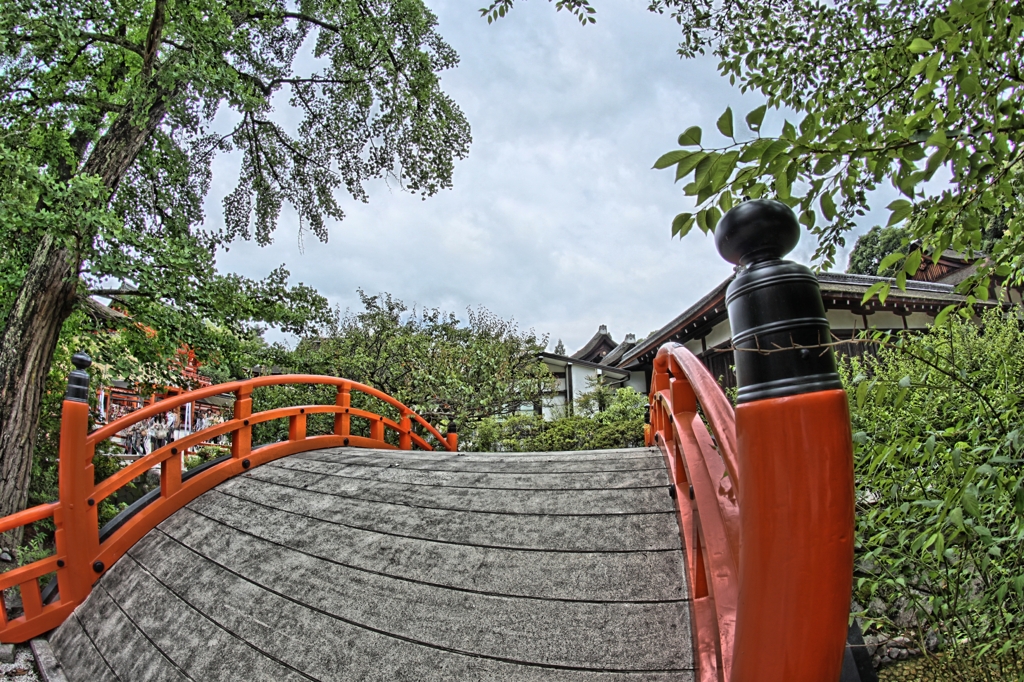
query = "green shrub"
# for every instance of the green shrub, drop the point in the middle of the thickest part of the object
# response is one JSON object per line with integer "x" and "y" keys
{"x": 619, "y": 425}
{"x": 940, "y": 493}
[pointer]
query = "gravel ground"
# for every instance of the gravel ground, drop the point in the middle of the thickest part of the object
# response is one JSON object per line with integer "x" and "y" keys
{"x": 23, "y": 669}
{"x": 935, "y": 669}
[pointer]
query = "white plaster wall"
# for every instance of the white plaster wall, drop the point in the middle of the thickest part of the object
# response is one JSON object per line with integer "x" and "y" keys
{"x": 919, "y": 320}
{"x": 884, "y": 319}
{"x": 638, "y": 381}
{"x": 844, "y": 319}
{"x": 579, "y": 380}
{"x": 721, "y": 333}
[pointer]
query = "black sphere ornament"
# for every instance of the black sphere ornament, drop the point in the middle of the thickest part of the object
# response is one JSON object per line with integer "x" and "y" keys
{"x": 780, "y": 335}
{"x": 757, "y": 230}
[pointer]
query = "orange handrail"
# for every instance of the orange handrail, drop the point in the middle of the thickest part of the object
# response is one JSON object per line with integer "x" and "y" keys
{"x": 82, "y": 556}
{"x": 705, "y": 481}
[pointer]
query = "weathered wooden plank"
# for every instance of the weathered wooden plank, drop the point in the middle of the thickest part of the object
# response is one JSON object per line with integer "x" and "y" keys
{"x": 72, "y": 646}
{"x": 585, "y": 635}
{"x": 548, "y": 502}
{"x": 194, "y": 643}
{"x": 128, "y": 652}
{"x": 594, "y": 576}
{"x": 453, "y": 462}
{"x": 614, "y": 455}
{"x": 595, "y": 533}
{"x": 397, "y": 472}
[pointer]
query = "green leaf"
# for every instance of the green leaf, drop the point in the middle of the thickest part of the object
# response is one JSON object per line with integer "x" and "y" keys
{"x": 828, "y": 206}
{"x": 682, "y": 224}
{"x": 941, "y": 28}
{"x": 671, "y": 158}
{"x": 686, "y": 166}
{"x": 755, "y": 117}
{"x": 888, "y": 262}
{"x": 901, "y": 210}
{"x": 970, "y": 503}
{"x": 920, "y": 46}
{"x": 774, "y": 149}
{"x": 956, "y": 517}
{"x": 913, "y": 262}
{"x": 970, "y": 86}
{"x": 874, "y": 289}
{"x": 725, "y": 122}
{"x": 862, "y": 394}
{"x": 691, "y": 137}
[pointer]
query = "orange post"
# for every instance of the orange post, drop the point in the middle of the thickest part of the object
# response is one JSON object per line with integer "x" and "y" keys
{"x": 796, "y": 525}
{"x": 241, "y": 440}
{"x": 405, "y": 435}
{"x": 170, "y": 473}
{"x": 795, "y": 458}
{"x": 377, "y": 428}
{"x": 343, "y": 420}
{"x": 297, "y": 427}
{"x": 77, "y": 534}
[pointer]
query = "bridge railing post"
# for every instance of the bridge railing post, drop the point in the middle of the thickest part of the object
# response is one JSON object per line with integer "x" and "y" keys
{"x": 452, "y": 436}
{"x": 405, "y": 435}
{"x": 342, "y": 420}
{"x": 241, "y": 440}
{"x": 77, "y": 528}
{"x": 794, "y": 452}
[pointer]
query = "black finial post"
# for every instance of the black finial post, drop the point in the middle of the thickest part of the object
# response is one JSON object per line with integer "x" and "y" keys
{"x": 451, "y": 427}
{"x": 779, "y": 330}
{"x": 78, "y": 380}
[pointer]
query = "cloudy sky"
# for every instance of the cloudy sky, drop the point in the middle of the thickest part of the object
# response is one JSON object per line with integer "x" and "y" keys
{"x": 556, "y": 218}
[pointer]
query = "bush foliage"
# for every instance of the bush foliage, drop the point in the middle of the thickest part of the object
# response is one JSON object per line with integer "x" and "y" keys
{"x": 940, "y": 492}
{"x": 620, "y": 424}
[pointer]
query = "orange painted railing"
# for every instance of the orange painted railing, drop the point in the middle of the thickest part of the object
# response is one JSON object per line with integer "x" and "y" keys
{"x": 766, "y": 514}
{"x": 766, "y": 498}
{"x": 82, "y": 555}
{"x": 704, "y": 475}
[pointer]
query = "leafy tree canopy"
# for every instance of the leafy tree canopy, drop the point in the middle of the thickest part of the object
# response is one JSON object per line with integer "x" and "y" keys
{"x": 108, "y": 112}
{"x": 428, "y": 359}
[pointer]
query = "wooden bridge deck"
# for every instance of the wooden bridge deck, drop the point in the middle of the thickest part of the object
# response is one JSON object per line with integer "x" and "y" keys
{"x": 349, "y": 564}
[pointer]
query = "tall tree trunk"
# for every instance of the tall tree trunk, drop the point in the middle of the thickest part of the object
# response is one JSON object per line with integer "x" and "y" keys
{"x": 26, "y": 351}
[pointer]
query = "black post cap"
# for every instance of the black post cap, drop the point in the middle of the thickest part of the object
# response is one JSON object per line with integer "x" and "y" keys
{"x": 757, "y": 230}
{"x": 780, "y": 335}
{"x": 78, "y": 380}
{"x": 451, "y": 427}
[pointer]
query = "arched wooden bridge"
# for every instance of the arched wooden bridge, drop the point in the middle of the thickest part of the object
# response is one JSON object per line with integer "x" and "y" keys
{"x": 349, "y": 556}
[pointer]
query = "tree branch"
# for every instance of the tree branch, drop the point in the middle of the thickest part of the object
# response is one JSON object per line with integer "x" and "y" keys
{"x": 153, "y": 37}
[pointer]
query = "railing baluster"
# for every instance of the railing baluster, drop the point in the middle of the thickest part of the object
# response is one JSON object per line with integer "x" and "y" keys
{"x": 170, "y": 474}
{"x": 405, "y": 435}
{"x": 297, "y": 427}
{"x": 31, "y": 599}
{"x": 343, "y": 421}
{"x": 241, "y": 440}
{"x": 377, "y": 428}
